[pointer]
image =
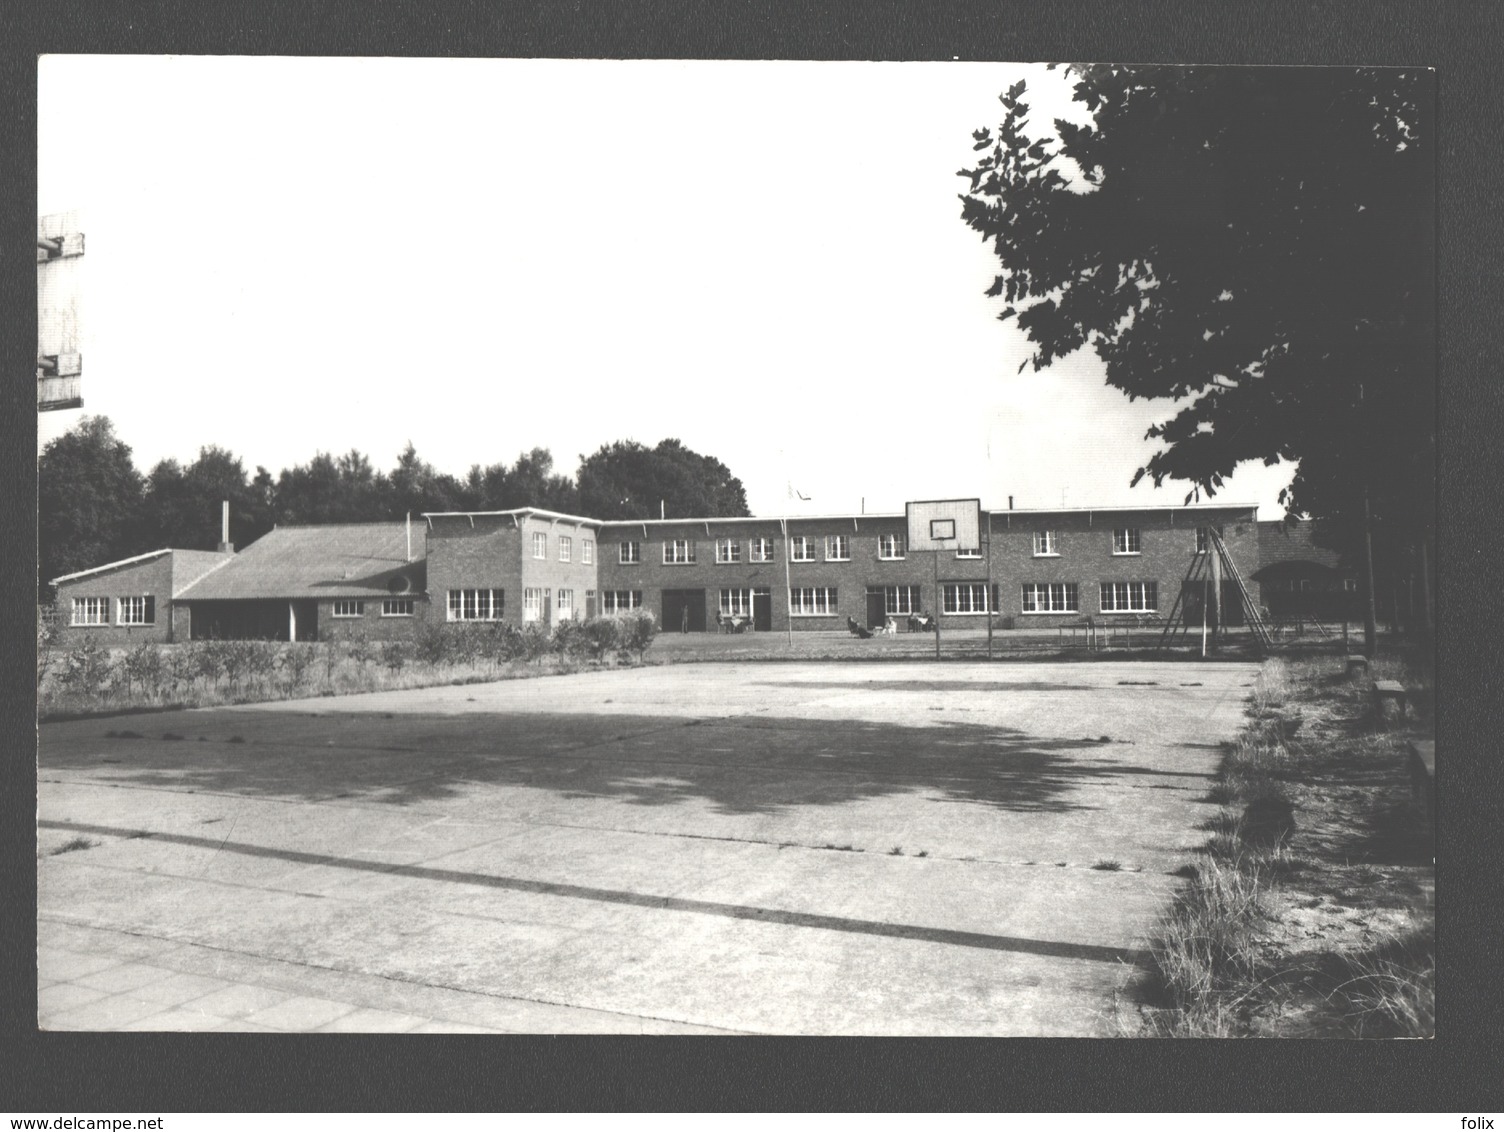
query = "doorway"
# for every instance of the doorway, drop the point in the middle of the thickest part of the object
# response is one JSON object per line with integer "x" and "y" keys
{"x": 683, "y": 610}
{"x": 762, "y": 610}
{"x": 877, "y": 609}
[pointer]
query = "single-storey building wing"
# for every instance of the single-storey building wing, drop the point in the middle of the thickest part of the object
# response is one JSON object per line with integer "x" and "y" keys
{"x": 1296, "y": 578}
{"x": 135, "y": 599}
{"x": 384, "y": 580}
{"x": 303, "y": 583}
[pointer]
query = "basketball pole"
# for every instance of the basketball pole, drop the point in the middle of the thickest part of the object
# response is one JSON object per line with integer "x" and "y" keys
{"x": 788, "y": 586}
{"x": 939, "y": 602}
{"x": 987, "y": 599}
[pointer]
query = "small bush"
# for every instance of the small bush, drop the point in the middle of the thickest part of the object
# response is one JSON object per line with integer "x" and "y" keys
{"x": 395, "y": 655}
{"x": 86, "y": 667}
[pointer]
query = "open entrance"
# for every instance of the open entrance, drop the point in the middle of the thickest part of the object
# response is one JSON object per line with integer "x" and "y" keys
{"x": 762, "y": 610}
{"x": 684, "y": 611}
{"x": 255, "y": 620}
{"x": 877, "y": 609}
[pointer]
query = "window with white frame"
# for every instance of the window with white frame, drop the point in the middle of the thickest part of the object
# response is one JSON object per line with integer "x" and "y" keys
{"x": 1050, "y": 597}
{"x": 473, "y": 605}
{"x": 837, "y": 548}
{"x": 964, "y": 597}
{"x": 349, "y": 607}
{"x": 736, "y": 602}
{"x": 532, "y": 604}
{"x": 678, "y": 551}
{"x": 968, "y": 552}
{"x": 564, "y": 602}
{"x": 1046, "y": 544}
{"x": 620, "y": 601}
{"x": 135, "y": 610}
{"x": 728, "y": 550}
{"x": 901, "y": 599}
{"x": 760, "y": 549}
{"x": 587, "y": 551}
{"x": 1125, "y": 540}
{"x": 566, "y": 548}
{"x": 890, "y": 547}
{"x": 397, "y": 607}
{"x": 801, "y": 548}
{"x": 1130, "y": 597}
{"x": 629, "y": 552}
{"x": 1203, "y": 540}
{"x": 91, "y": 611}
{"x": 812, "y": 601}
{"x": 540, "y": 545}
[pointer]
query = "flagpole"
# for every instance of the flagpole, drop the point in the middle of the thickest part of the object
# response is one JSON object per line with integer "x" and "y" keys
{"x": 788, "y": 587}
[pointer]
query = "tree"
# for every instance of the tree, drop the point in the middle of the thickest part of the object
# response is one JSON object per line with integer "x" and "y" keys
{"x": 330, "y": 490}
{"x": 1255, "y": 244}
{"x": 627, "y": 480}
{"x": 415, "y": 486}
{"x": 530, "y": 482}
{"x": 182, "y": 505}
{"x": 88, "y": 500}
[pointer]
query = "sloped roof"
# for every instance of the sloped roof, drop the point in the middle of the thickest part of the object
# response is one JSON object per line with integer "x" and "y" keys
{"x": 111, "y": 566}
{"x": 188, "y": 566}
{"x": 1280, "y": 544}
{"x": 322, "y": 561}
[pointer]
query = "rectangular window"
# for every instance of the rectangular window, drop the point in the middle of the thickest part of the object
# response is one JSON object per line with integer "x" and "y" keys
{"x": 471, "y": 605}
{"x": 890, "y": 547}
{"x": 587, "y": 551}
{"x": 968, "y": 552}
{"x": 136, "y": 610}
{"x": 620, "y": 601}
{"x": 736, "y": 602}
{"x": 1350, "y": 585}
{"x": 1130, "y": 597}
{"x": 1046, "y": 544}
{"x": 396, "y": 607}
{"x": 760, "y": 549}
{"x": 566, "y": 548}
{"x": 565, "y": 602}
{"x": 837, "y": 548}
{"x": 1203, "y": 540}
{"x": 678, "y": 550}
{"x": 349, "y": 607}
{"x": 728, "y": 550}
{"x": 965, "y": 597}
{"x": 91, "y": 611}
{"x": 901, "y": 599}
{"x": 1050, "y": 597}
{"x": 540, "y": 545}
{"x": 1125, "y": 540}
{"x": 801, "y": 548}
{"x": 812, "y": 601}
{"x": 630, "y": 552}
{"x": 532, "y": 604}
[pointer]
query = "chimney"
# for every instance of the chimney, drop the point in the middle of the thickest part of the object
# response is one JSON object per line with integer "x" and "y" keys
{"x": 1010, "y": 503}
{"x": 225, "y": 545}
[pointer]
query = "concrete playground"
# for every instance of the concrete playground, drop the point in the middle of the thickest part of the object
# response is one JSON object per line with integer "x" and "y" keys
{"x": 793, "y": 848}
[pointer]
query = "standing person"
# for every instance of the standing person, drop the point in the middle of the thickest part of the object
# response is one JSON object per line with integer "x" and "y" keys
{"x": 684, "y": 620}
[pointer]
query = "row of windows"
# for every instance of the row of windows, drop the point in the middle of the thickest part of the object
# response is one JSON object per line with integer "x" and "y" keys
{"x": 837, "y": 548}
{"x": 390, "y": 607}
{"x": 476, "y": 605}
{"x": 566, "y": 548}
{"x": 128, "y": 611}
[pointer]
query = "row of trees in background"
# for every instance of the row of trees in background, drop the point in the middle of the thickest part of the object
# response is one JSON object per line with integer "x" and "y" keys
{"x": 94, "y": 506}
{"x": 1255, "y": 246}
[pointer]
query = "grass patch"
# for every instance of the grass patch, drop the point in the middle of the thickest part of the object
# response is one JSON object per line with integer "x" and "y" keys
{"x": 1106, "y": 866}
{"x": 1310, "y": 914}
{"x": 73, "y": 846}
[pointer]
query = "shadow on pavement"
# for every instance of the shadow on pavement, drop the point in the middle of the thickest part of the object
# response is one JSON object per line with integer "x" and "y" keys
{"x": 741, "y": 765}
{"x": 1052, "y": 948}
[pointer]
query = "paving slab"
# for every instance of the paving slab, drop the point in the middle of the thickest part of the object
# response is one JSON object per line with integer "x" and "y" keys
{"x": 906, "y": 848}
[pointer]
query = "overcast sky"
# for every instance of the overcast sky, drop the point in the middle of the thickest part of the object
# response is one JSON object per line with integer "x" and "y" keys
{"x": 765, "y": 260}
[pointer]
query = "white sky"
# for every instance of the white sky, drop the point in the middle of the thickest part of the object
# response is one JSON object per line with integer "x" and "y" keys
{"x": 765, "y": 260}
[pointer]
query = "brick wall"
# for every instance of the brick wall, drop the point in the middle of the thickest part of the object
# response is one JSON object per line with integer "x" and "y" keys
{"x": 371, "y": 625}
{"x": 151, "y": 578}
{"x": 1085, "y": 555}
{"x": 462, "y": 556}
{"x": 550, "y": 573}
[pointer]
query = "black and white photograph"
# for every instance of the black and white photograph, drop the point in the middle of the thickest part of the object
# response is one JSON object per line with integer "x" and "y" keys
{"x": 668, "y": 547}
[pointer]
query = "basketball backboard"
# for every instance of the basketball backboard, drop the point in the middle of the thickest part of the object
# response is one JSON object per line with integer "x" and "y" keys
{"x": 944, "y": 524}
{"x": 60, "y": 249}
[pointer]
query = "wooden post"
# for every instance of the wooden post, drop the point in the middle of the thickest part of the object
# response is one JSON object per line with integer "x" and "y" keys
{"x": 1204, "y": 596}
{"x": 939, "y": 601}
{"x": 1216, "y": 553}
{"x": 991, "y": 613}
{"x": 788, "y": 586}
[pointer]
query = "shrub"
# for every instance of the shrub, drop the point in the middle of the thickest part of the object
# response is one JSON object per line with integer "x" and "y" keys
{"x": 47, "y": 641}
{"x": 86, "y": 666}
{"x": 295, "y": 661}
{"x": 142, "y": 668}
{"x": 395, "y": 655}
{"x": 431, "y": 646}
{"x": 602, "y": 635}
{"x": 569, "y": 640}
{"x": 638, "y": 629}
{"x": 534, "y": 640}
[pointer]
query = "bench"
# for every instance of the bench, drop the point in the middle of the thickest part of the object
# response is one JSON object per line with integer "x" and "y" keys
{"x": 1357, "y": 665}
{"x": 1423, "y": 773}
{"x": 1386, "y": 692}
